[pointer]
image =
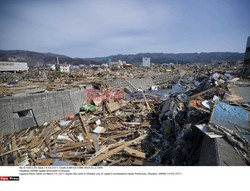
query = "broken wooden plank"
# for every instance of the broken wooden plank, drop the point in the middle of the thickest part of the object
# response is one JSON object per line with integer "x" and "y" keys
{"x": 103, "y": 156}
{"x": 85, "y": 127}
{"x": 13, "y": 142}
{"x": 30, "y": 136}
{"x": 116, "y": 136}
{"x": 22, "y": 133}
{"x": 53, "y": 133}
{"x": 137, "y": 162}
{"x": 115, "y": 162}
{"x": 1, "y": 148}
{"x": 95, "y": 138}
{"x": 71, "y": 147}
{"x": 73, "y": 155}
{"x": 202, "y": 92}
{"x": 145, "y": 124}
{"x": 135, "y": 153}
{"x": 148, "y": 107}
{"x": 32, "y": 158}
{"x": 46, "y": 162}
{"x": 112, "y": 106}
{"x": 11, "y": 151}
{"x": 114, "y": 126}
{"x": 105, "y": 148}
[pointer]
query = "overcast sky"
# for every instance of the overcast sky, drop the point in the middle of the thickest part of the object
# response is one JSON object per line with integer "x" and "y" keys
{"x": 88, "y": 28}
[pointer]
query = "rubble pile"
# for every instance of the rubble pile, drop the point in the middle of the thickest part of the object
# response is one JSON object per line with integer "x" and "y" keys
{"x": 175, "y": 138}
{"x": 107, "y": 134}
{"x": 163, "y": 125}
{"x": 45, "y": 80}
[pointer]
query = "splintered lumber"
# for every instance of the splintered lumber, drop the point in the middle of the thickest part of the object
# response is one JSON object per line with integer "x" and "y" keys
{"x": 1, "y": 148}
{"x": 145, "y": 124}
{"x": 202, "y": 92}
{"x": 125, "y": 134}
{"x": 85, "y": 127}
{"x": 32, "y": 158}
{"x": 105, "y": 149}
{"x": 11, "y": 151}
{"x": 22, "y": 133}
{"x": 71, "y": 147}
{"x": 112, "y": 106}
{"x": 95, "y": 138}
{"x": 137, "y": 162}
{"x": 40, "y": 139}
{"x": 30, "y": 136}
{"x": 135, "y": 153}
{"x": 104, "y": 155}
{"x": 70, "y": 154}
{"x": 115, "y": 162}
{"x": 148, "y": 107}
{"x": 13, "y": 141}
{"x": 46, "y": 162}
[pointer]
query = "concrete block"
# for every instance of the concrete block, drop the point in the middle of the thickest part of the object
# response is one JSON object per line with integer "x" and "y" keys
{"x": 36, "y": 97}
{"x": 8, "y": 109}
{"x": 55, "y": 114}
{"x": 40, "y": 106}
{"x": 66, "y": 103}
{"x": 44, "y": 96}
{"x": 7, "y": 128}
{"x": 46, "y": 107}
{"x": 68, "y": 111}
{"x": 21, "y": 99}
{"x": 2, "y": 111}
{"x": 55, "y": 103}
{"x": 41, "y": 118}
{"x": 20, "y": 106}
{"x": 5, "y": 101}
{"x": 24, "y": 122}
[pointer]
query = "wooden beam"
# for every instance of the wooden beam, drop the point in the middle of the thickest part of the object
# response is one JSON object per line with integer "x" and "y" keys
{"x": 32, "y": 158}
{"x": 11, "y": 151}
{"x": 30, "y": 136}
{"x": 148, "y": 107}
{"x": 85, "y": 127}
{"x": 202, "y": 92}
{"x": 118, "y": 136}
{"x": 13, "y": 142}
{"x": 71, "y": 147}
{"x": 135, "y": 153}
{"x": 103, "y": 156}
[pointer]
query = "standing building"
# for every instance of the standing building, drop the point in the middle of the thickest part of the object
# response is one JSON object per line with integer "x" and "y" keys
{"x": 118, "y": 64}
{"x": 63, "y": 68}
{"x": 247, "y": 57}
{"x": 146, "y": 62}
{"x": 13, "y": 66}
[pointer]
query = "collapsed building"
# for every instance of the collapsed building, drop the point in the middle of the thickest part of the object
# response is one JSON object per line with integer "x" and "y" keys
{"x": 187, "y": 115}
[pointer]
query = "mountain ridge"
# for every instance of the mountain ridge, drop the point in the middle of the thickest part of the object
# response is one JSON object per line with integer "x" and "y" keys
{"x": 175, "y": 57}
{"x": 39, "y": 59}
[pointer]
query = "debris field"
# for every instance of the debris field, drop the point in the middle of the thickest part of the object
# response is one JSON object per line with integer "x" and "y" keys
{"x": 135, "y": 117}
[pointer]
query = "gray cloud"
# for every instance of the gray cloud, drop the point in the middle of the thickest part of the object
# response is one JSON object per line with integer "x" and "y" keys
{"x": 87, "y": 28}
